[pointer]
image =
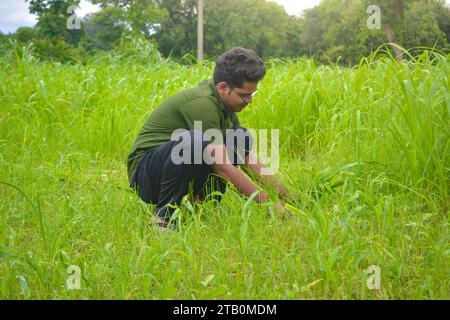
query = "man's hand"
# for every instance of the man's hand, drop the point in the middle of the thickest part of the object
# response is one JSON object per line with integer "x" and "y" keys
{"x": 270, "y": 180}
{"x": 223, "y": 167}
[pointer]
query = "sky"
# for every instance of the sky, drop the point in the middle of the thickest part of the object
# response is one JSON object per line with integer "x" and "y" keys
{"x": 14, "y": 13}
{"x": 295, "y": 7}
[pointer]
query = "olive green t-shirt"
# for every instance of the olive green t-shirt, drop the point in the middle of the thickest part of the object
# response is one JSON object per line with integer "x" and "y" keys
{"x": 201, "y": 103}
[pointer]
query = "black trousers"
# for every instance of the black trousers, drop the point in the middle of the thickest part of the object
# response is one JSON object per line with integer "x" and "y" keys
{"x": 164, "y": 182}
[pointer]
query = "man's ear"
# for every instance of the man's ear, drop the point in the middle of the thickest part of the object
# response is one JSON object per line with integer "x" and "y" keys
{"x": 222, "y": 87}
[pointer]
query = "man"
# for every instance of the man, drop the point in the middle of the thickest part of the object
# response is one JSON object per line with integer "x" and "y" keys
{"x": 154, "y": 167}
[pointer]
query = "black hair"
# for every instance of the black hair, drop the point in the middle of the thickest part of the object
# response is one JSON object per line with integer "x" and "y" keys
{"x": 238, "y": 65}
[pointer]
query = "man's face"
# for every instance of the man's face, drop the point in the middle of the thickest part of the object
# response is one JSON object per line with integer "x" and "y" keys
{"x": 236, "y": 99}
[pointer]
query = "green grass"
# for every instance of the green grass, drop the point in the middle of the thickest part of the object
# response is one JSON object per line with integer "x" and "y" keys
{"x": 367, "y": 148}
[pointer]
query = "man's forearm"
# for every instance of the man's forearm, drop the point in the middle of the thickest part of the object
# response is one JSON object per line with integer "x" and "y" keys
{"x": 225, "y": 169}
{"x": 240, "y": 181}
{"x": 268, "y": 180}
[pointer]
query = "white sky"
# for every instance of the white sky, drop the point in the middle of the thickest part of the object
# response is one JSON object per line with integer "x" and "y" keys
{"x": 295, "y": 7}
{"x": 86, "y": 7}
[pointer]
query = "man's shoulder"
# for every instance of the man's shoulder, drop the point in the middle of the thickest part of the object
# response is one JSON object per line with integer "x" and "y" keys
{"x": 202, "y": 93}
{"x": 193, "y": 100}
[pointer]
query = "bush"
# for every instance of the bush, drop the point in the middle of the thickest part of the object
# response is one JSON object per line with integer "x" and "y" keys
{"x": 25, "y": 34}
{"x": 137, "y": 49}
{"x": 56, "y": 50}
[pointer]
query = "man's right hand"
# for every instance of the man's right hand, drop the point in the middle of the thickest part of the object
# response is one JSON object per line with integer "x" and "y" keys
{"x": 223, "y": 167}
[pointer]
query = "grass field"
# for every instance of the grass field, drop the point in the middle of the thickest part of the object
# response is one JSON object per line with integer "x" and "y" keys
{"x": 367, "y": 148}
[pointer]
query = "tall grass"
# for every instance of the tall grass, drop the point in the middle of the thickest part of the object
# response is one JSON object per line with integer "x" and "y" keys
{"x": 367, "y": 148}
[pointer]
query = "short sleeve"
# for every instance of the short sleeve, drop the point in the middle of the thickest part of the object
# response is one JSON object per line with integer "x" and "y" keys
{"x": 203, "y": 115}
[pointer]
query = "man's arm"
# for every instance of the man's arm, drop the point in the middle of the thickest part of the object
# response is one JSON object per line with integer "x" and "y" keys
{"x": 268, "y": 180}
{"x": 223, "y": 167}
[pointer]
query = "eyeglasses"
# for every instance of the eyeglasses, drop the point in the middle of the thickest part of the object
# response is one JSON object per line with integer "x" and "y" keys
{"x": 247, "y": 98}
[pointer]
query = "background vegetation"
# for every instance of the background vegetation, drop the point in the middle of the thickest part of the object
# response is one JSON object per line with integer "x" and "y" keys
{"x": 334, "y": 31}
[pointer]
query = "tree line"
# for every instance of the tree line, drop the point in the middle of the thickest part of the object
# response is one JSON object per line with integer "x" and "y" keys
{"x": 335, "y": 31}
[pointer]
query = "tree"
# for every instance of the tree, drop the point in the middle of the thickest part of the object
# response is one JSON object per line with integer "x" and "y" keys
{"x": 143, "y": 16}
{"x": 412, "y": 23}
{"x": 25, "y": 34}
{"x": 52, "y": 19}
{"x": 443, "y": 20}
{"x": 177, "y": 34}
{"x": 104, "y": 28}
{"x": 420, "y": 25}
{"x": 256, "y": 24}
{"x": 331, "y": 31}
{"x": 313, "y": 29}
{"x": 294, "y": 46}
{"x": 392, "y": 12}
{"x": 337, "y": 30}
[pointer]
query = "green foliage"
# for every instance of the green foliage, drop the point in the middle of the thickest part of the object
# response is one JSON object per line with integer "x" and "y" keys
{"x": 138, "y": 50}
{"x": 52, "y": 19}
{"x": 177, "y": 34}
{"x": 331, "y": 31}
{"x": 104, "y": 29}
{"x": 141, "y": 15}
{"x": 51, "y": 39}
{"x": 25, "y": 34}
{"x": 421, "y": 26}
{"x": 443, "y": 20}
{"x": 335, "y": 31}
{"x": 56, "y": 50}
{"x": 256, "y": 24}
{"x": 412, "y": 23}
{"x": 260, "y": 25}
